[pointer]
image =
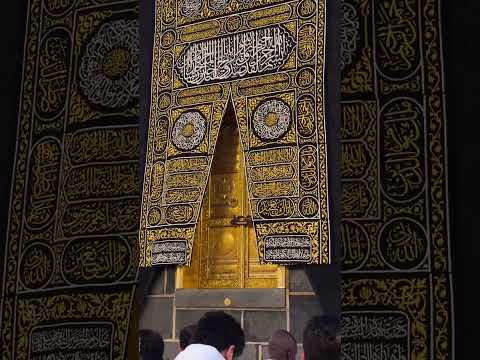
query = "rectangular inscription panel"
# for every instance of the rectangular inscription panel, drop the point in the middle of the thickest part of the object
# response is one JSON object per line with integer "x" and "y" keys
{"x": 375, "y": 335}
{"x": 79, "y": 341}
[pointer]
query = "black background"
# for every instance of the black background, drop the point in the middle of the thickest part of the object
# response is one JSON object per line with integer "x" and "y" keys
{"x": 462, "y": 65}
{"x": 462, "y": 40}
{"x": 12, "y": 29}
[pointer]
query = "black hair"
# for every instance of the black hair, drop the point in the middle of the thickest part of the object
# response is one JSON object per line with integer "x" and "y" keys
{"x": 151, "y": 345}
{"x": 320, "y": 339}
{"x": 186, "y": 335}
{"x": 220, "y": 330}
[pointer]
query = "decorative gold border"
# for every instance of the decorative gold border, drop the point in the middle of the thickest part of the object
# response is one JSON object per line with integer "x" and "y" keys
{"x": 13, "y": 304}
{"x": 319, "y": 15}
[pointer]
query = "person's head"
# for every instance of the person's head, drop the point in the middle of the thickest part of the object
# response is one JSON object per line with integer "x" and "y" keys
{"x": 321, "y": 339}
{"x": 282, "y": 346}
{"x": 151, "y": 345}
{"x": 221, "y": 331}
{"x": 186, "y": 336}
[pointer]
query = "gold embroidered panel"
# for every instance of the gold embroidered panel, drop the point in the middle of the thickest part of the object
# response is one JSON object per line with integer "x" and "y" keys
{"x": 266, "y": 57}
{"x": 396, "y": 279}
{"x": 71, "y": 256}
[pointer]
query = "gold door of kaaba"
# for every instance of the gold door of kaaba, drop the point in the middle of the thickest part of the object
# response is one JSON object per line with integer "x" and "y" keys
{"x": 225, "y": 252}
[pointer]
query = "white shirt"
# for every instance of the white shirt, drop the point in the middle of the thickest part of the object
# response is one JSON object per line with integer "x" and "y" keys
{"x": 199, "y": 352}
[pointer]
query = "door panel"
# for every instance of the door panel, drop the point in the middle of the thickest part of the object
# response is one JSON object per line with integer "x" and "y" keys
{"x": 225, "y": 254}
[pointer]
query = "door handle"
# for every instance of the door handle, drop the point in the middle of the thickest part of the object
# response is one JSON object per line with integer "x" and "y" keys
{"x": 242, "y": 220}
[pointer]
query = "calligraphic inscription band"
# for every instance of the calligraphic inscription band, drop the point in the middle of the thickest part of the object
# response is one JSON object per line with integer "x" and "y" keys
{"x": 376, "y": 335}
{"x": 235, "y": 56}
{"x": 394, "y": 228}
{"x": 266, "y": 58}
{"x": 72, "y": 340}
{"x": 71, "y": 260}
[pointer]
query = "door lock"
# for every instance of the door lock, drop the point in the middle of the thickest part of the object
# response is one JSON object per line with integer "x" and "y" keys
{"x": 242, "y": 220}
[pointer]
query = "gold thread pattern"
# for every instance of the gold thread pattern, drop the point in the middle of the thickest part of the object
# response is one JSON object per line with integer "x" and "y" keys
{"x": 265, "y": 56}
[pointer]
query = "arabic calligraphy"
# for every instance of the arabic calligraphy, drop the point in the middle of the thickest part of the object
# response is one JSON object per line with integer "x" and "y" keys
{"x": 305, "y": 77}
{"x": 164, "y": 100}
{"x": 349, "y": 34}
{"x": 100, "y": 217}
{"x": 275, "y": 208}
{"x": 154, "y": 216}
{"x": 168, "y": 11}
{"x": 291, "y": 248}
{"x": 393, "y": 143}
{"x": 218, "y": 5}
{"x": 103, "y": 145}
{"x": 179, "y": 214}
{"x": 74, "y": 184}
{"x": 58, "y": 7}
{"x": 356, "y": 159}
{"x": 99, "y": 181}
{"x": 53, "y": 74}
{"x": 233, "y": 23}
{"x": 357, "y": 118}
{"x": 272, "y": 156}
{"x": 392, "y": 325}
{"x": 268, "y": 57}
{"x": 235, "y": 56}
{"x": 95, "y": 261}
{"x": 268, "y": 16}
{"x": 273, "y": 189}
{"x": 161, "y": 135}
{"x": 181, "y": 179}
{"x": 307, "y": 42}
{"x": 165, "y": 70}
{"x": 308, "y": 167}
{"x": 183, "y": 195}
{"x": 264, "y": 84}
{"x": 355, "y": 245}
{"x": 403, "y": 244}
{"x": 187, "y": 164}
{"x": 272, "y": 172}
{"x": 287, "y": 255}
{"x": 375, "y": 335}
{"x": 43, "y": 182}
{"x": 72, "y": 341}
{"x": 356, "y": 199}
{"x": 360, "y": 159}
{"x": 271, "y": 119}
{"x": 37, "y": 266}
{"x": 402, "y": 149}
{"x": 373, "y": 351}
{"x": 306, "y": 115}
{"x": 169, "y": 252}
{"x": 120, "y": 87}
{"x": 308, "y": 206}
{"x": 189, "y": 130}
{"x": 396, "y": 37}
{"x": 168, "y": 38}
{"x": 202, "y": 94}
{"x": 306, "y": 8}
{"x": 358, "y": 75}
{"x": 156, "y": 185}
{"x": 190, "y": 7}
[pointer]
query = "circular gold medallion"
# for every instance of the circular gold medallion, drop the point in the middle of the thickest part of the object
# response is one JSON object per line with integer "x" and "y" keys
{"x": 271, "y": 119}
{"x": 187, "y": 130}
{"x": 116, "y": 63}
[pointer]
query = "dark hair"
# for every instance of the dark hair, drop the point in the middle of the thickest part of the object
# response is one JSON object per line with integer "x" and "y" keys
{"x": 151, "y": 345}
{"x": 320, "y": 339}
{"x": 282, "y": 346}
{"x": 220, "y": 330}
{"x": 186, "y": 335}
